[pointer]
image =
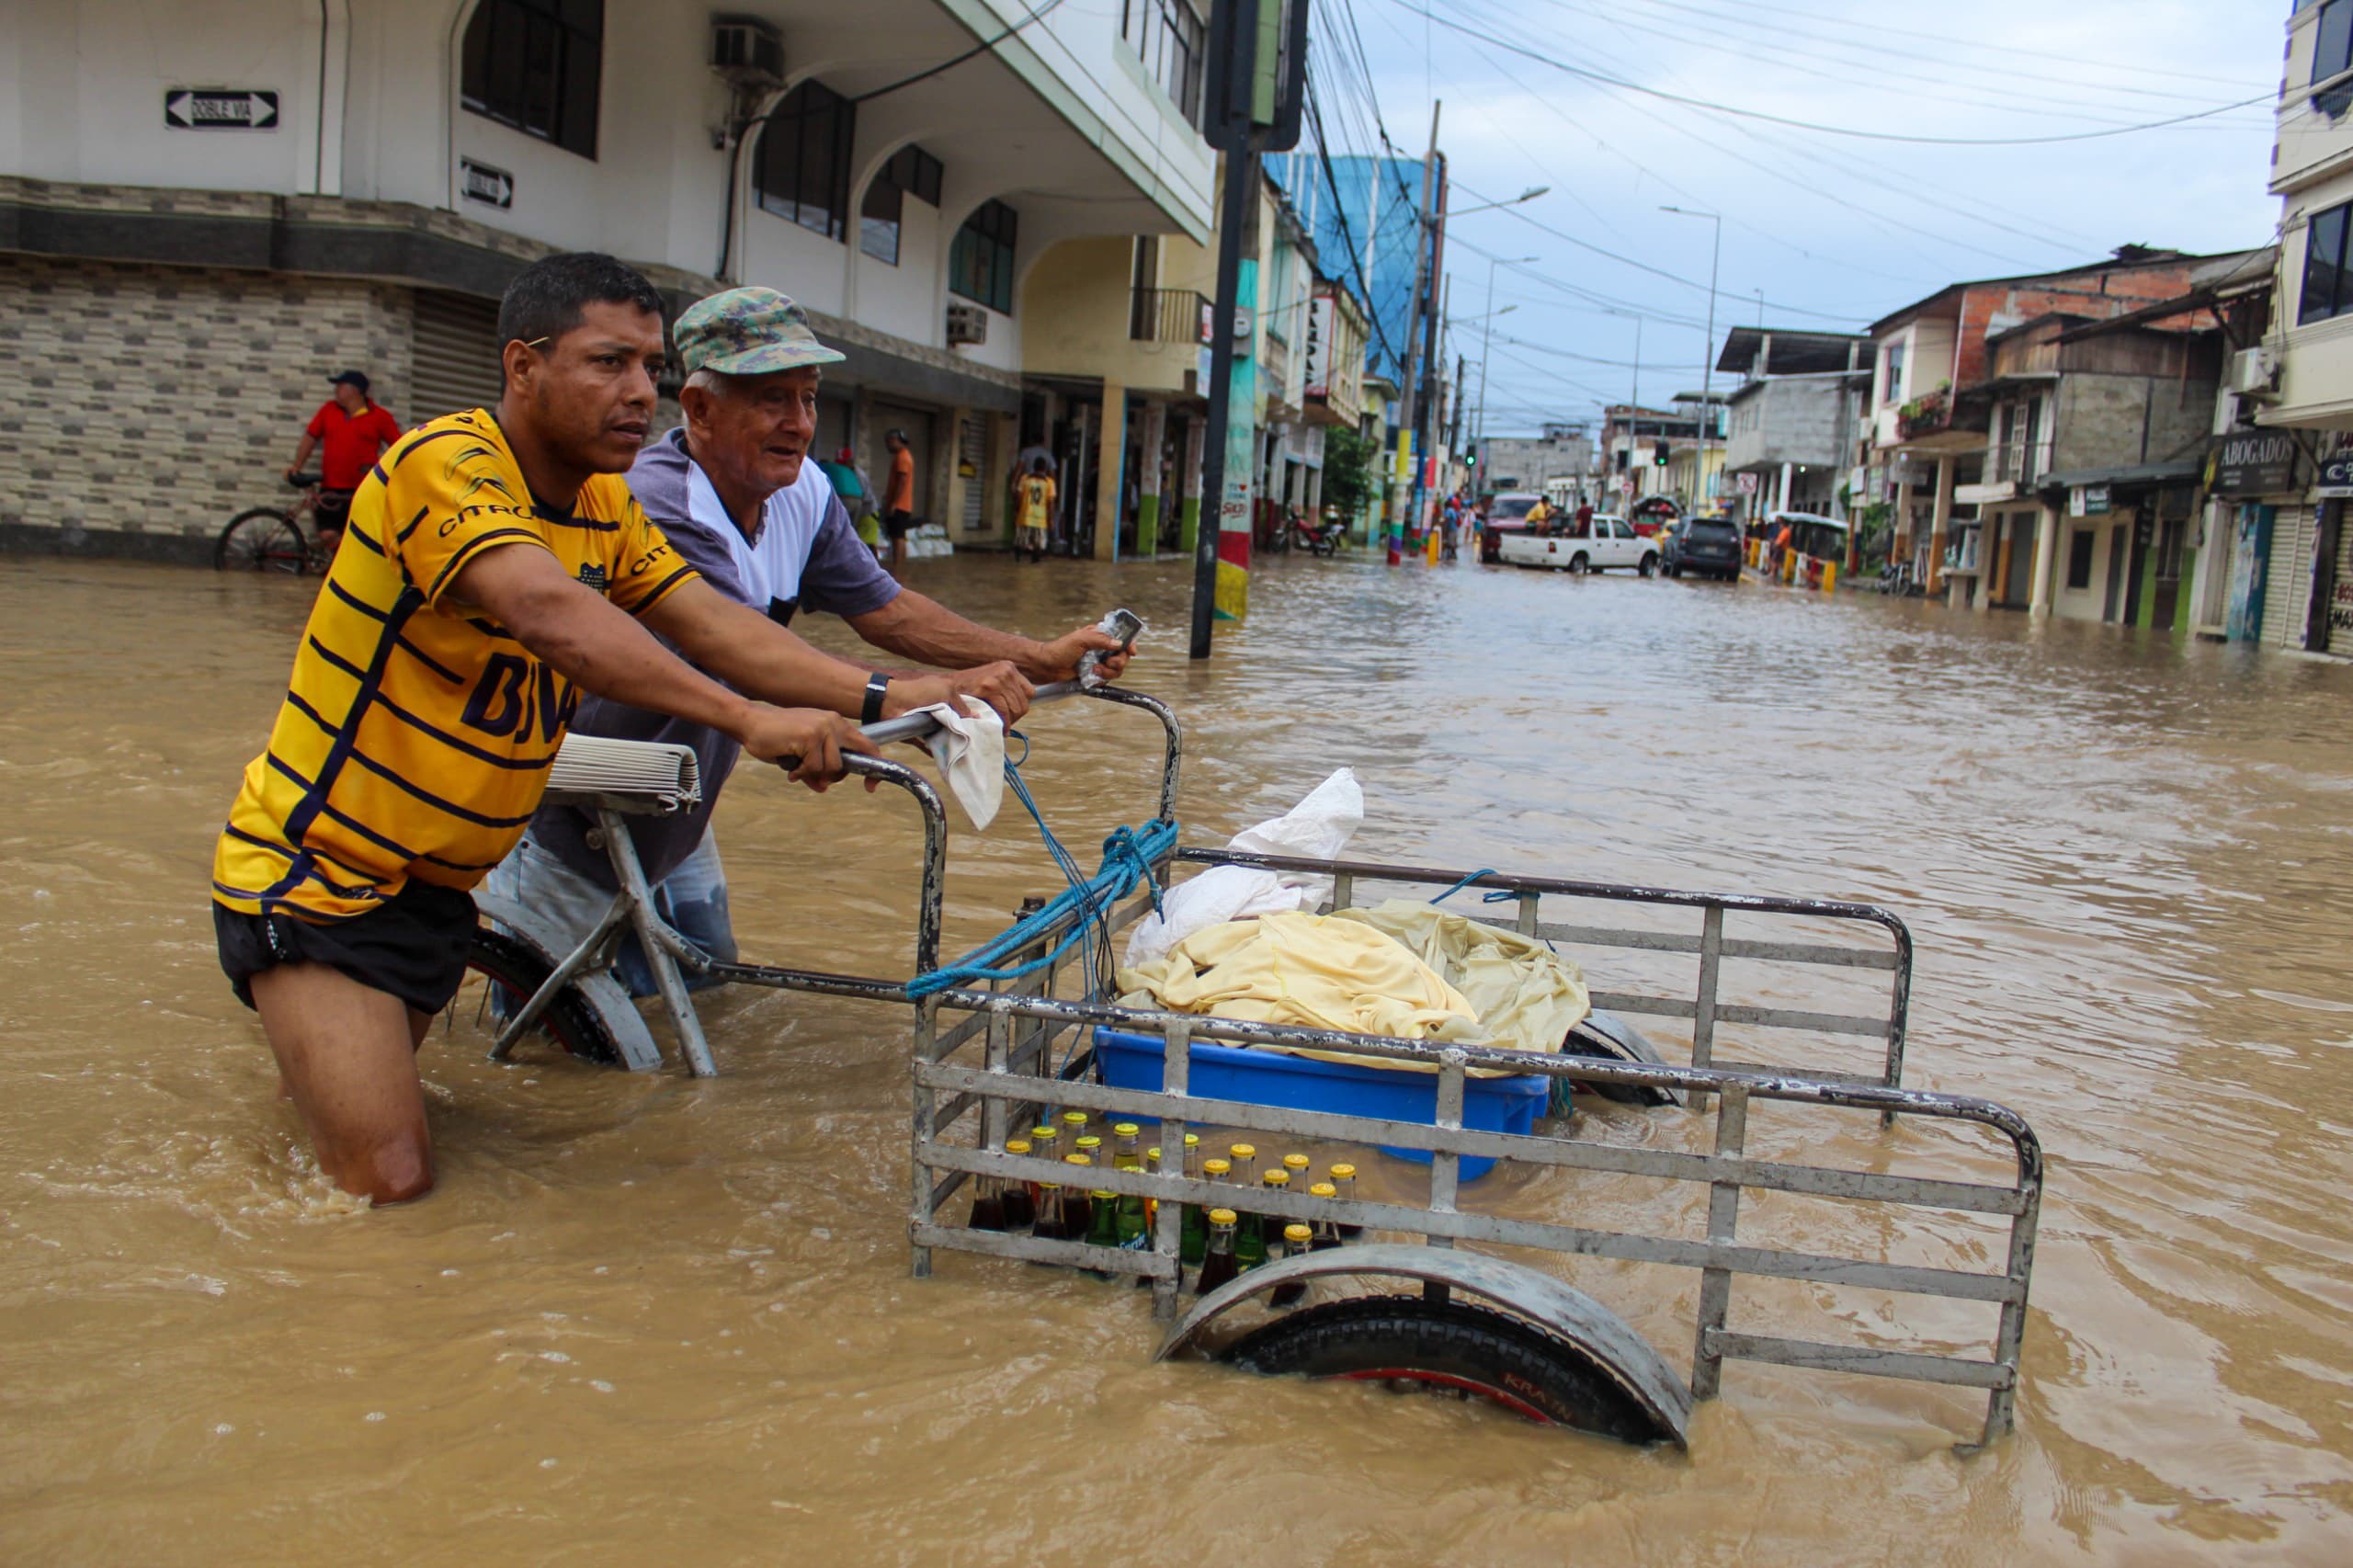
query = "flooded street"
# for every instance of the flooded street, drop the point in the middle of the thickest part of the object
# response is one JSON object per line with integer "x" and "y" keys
{"x": 648, "y": 1318}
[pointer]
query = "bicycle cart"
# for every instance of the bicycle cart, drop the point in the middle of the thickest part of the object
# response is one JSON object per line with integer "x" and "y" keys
{"x": 1797, "y": 1183}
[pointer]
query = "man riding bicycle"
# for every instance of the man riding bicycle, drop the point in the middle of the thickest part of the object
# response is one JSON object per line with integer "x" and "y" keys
{"x": 355, "y": 429}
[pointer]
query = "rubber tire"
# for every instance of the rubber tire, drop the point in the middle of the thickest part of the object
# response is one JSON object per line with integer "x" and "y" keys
{"x": 265, "y": 542}
{"x": 569, "y": 1018}
{"x": 1467, "y": 1348}
{"x": 1579, "y": 566}
{"x": 1648, "y": 566}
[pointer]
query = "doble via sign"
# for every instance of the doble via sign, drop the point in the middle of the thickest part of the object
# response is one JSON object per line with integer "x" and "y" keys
{"x": 492, "y": 187}
{"x": 219, "y": 108}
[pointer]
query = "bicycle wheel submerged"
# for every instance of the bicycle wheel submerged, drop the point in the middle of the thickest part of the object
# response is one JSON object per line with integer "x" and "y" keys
{"x": 499, "y": 962}
{"x": 262, "y": 539}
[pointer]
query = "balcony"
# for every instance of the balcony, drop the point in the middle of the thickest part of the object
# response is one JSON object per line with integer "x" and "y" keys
{"x": 1168, "y": 315}
{"x": 1928, "y": 414}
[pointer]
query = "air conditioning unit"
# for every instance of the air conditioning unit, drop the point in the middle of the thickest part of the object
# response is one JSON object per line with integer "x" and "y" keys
{"x": 2253, "y": 373}
{"x": 747, "y": 52}
{"x": 967, "y": 323}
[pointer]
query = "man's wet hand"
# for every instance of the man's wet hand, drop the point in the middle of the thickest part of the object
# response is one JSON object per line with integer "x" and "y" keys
{"x": 1057, "y": 660}
{"x": 809, "y": 741}
{"x": 999, "y": 685}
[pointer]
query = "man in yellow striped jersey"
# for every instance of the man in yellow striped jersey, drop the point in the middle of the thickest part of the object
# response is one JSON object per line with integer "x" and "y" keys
{"x": 494, "y": 566}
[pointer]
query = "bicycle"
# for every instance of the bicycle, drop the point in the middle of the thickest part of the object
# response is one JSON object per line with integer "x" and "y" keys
{"x": 272, "y": 539}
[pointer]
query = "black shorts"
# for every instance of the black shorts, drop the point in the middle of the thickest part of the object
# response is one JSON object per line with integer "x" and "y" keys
{"x": 412, "y": 947}
{"x": 897, "y": 524}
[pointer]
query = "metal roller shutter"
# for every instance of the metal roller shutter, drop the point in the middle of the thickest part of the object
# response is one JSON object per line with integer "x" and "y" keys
{"x": 973, "y": 461}
{"x": 456, "y": 355}
{"x": 2287, "y": 578}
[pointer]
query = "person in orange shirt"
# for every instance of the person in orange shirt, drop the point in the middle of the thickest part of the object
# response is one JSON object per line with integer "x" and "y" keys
{"x": 899, "y": 498}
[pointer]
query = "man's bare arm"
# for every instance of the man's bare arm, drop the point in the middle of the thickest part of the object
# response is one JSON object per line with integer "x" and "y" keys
{"x": 918, "y": 627}
{"x": 753, "y": 653}
{"x": 605, "y": 651}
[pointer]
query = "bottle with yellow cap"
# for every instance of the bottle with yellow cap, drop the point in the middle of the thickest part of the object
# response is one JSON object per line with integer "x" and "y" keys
{"x": 1047, "y": 1223}
{"x": 1074, "y": 1124}
{"x": 1020, "y": 1196}
{"x": 1250, "y": 1241}
{"x": 1103, "y": 1225}
{"x": 1297, "y": 1165}
{"x": 1196, "y": 1215}
{"x": 988, "y": 1204}
{"x": 1078, "y": 1202}
{"x": 1344, "y": 1180}
{"x": 1218, "y": 1264}
{"x": 1127, "y": 1149}
{"x": 1091, "y": 1146}
{"x": 1327, "y": 1234}
{"x": 1297, "y": 1242}
{"x": 1045, "y": 1141}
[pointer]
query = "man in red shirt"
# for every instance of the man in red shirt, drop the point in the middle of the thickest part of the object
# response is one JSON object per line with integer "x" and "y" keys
{"x": 355, "y": 430}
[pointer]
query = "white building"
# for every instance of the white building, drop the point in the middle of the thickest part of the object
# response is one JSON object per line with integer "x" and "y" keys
{"x": 208, "y": 206}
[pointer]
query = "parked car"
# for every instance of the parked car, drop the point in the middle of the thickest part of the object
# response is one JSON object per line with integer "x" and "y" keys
{"x": 1706, "y": 547}
{"x": 1507, "y": 513}
{"x": 1597, "y": 546}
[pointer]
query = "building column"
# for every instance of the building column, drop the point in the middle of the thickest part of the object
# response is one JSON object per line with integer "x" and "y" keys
{"x": 1940, "y": 526}
{"x": 1149, "y": 501}
{"x": 2046, "y": 555}
{"x": 1110, "y": 457}
{"x": 1788, "y": 478}
{"x": 1993, "y": 561}
{"x": 1189, "y": 516}
{"x": 1899, "y": 546}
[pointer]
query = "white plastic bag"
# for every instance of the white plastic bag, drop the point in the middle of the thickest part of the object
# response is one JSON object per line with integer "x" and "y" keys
{"x": 1318, "y": 828}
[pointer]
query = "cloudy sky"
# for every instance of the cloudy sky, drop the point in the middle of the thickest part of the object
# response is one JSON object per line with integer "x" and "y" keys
{"x": 1831, "y": 231}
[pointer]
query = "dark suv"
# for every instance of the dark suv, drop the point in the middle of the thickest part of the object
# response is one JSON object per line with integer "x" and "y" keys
{"x": 1709, "y": 547}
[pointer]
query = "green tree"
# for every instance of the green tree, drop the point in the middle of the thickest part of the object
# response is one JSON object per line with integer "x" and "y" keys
{"x": 1349, "y": 483}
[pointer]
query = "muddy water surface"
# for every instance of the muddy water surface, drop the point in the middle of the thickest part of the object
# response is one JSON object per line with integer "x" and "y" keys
{"x": 648, "y": 1318}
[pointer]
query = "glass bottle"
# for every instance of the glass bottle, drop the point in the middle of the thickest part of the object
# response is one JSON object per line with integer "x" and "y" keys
{"x": 1127, "y": 1151}
{"x": 1343, "y": 1178}
{"x": 1046, "y": 1143}
{"x": 1073, "y": 1128}
{"x": 1250, "y": 1237}
{"x": 1296, "y": 1243}
{"x": 1244, "y": 1157}
{"x": 1078, "y": 1204}
{"x": 1020, "y": 1196}
{"x": 1102, "y": 1223}
{"x": 1218, "y": 1264}
{"x": 1091, "y": 1146}
{"x": 988, "y": 1204}
{"x": 1327, "y": 1234}
{"x": 1047, "y": 1225}
{"x": 1297, "y": 1165}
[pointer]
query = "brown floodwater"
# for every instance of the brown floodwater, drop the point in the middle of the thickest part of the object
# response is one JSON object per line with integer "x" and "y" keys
{"x": 648, "y": 1318}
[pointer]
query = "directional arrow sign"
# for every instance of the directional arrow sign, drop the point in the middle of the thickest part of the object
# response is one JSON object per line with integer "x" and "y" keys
{"x": 484, "y": 184}
{"x": 219, "y": 108}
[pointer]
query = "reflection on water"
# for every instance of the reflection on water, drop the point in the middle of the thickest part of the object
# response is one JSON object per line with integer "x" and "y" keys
{"x": 651, "y": 1316}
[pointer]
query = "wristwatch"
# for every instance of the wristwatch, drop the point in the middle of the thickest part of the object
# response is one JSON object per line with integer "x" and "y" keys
{"x": 876, "y": 685}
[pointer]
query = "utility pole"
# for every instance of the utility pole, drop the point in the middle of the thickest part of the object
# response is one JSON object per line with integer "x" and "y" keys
{"x": 1252, "y": 101}
{"x": 1408, "y": 468}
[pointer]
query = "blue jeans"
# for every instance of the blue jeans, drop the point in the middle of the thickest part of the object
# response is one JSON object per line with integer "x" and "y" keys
{"x": 693, "y": 899}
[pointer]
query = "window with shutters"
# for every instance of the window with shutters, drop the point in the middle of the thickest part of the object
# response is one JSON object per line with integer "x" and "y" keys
{"x": 802, "y": 174}
{"x": 454, "y": 356}
{"x": 537, "y": 65}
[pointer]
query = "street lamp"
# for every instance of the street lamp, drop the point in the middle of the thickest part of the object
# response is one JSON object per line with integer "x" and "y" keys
{"x": 1487, "y": 347}
{"x": 1707, "y": 365}
{"x": 1531, "y": 194}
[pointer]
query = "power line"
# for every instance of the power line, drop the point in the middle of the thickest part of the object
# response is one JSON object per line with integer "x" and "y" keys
{"x": 1665, "y": 96}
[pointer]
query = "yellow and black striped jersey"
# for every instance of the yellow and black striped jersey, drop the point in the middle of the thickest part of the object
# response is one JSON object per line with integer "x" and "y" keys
{"x": 416, "y": 734}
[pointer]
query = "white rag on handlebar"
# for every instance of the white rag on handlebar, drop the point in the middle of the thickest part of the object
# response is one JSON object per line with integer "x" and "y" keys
{"x": 969, "y": 748}
{"x": 1317, "y": 828}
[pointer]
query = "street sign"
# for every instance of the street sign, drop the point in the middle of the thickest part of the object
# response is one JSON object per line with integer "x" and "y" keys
{"x": 493, "y": 187}
{"x": 1744, "y": 482}
{"x": 219, "y": 108}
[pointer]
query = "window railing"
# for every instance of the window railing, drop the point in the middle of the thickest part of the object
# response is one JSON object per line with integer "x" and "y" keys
{"x": 1168, "y": 315}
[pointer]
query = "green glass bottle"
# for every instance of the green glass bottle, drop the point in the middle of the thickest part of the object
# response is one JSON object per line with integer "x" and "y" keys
{"x": 1103, "y": 1226}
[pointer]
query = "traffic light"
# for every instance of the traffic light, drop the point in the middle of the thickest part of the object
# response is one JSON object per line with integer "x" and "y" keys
{"x": 1658, "y": 454}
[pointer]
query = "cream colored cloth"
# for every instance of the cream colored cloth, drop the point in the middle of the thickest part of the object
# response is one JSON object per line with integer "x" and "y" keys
{"x": 1346, "y": 971}
{"x": 1526, "y": 996}
{"x": 970, "y": 747}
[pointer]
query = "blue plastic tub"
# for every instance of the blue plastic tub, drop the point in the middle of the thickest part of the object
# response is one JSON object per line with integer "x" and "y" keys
{"x": 1300, "y": 1083}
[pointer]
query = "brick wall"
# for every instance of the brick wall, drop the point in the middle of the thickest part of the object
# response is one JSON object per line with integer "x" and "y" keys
{"x": 2096, "y": 295}
{"x": 158, "y": 402}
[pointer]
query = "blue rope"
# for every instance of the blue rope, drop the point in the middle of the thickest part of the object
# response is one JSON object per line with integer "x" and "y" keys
{"x": 1464, "y": 883}
{"x": 1128, "y": 856}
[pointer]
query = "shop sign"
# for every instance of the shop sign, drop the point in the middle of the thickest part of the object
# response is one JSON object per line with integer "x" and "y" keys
{"x": 2255, "y": 462}
{"x": 2087, "y": 500}
{"x": 219, "y": 108}
{"x": 1317, "y": 357}
{"x": 492, "y": 187}
{"x": 2335, "y": 468}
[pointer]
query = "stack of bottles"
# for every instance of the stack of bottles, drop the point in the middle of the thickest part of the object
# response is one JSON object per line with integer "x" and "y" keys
{"x": 1219, "y": 1241}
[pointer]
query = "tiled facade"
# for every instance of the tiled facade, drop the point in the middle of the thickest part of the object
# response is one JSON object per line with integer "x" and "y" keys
{"x": 161, "y": 401}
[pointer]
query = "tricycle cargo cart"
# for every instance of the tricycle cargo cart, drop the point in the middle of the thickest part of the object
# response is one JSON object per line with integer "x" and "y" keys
{"x": 1801, "y": 1181}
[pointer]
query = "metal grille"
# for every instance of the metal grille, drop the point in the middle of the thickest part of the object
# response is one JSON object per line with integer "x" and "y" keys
{"x": 455, "y": 348}
{"x": 973, "y": 460}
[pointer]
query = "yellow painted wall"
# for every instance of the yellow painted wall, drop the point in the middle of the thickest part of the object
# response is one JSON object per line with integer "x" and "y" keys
{"x": 1074, "y": 308}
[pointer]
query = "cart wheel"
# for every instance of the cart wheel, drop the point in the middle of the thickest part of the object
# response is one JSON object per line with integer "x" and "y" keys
{"x": 1465, "y": 1351}
{"x": 510, "y": 966}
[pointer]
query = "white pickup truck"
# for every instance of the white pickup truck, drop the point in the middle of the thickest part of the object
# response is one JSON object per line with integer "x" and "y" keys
{"x": 1594, "y": 546}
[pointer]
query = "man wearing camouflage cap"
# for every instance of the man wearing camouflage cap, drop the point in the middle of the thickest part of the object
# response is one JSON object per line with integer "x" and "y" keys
{"x": 734, "y": 491}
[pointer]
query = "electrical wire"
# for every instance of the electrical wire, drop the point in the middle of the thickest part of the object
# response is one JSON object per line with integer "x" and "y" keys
{"x": 979, "y": 48}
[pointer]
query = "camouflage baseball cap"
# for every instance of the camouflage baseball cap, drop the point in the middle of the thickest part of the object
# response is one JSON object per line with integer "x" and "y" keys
{"x": 748, "y": 332}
